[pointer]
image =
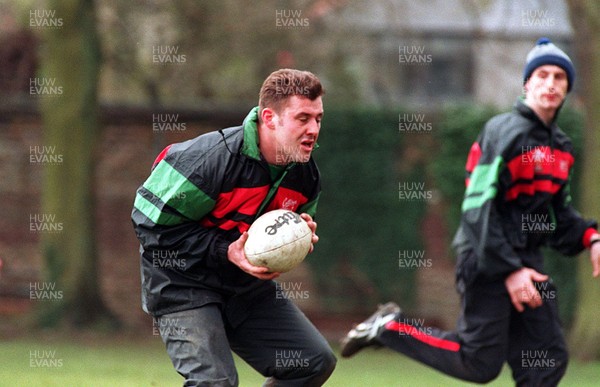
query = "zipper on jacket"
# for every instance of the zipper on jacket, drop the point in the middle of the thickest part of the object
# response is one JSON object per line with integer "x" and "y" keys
{"x": 273, "y": 189}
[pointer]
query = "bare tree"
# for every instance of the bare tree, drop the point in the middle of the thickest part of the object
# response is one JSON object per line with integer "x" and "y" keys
{"x": 71, "y": 59}
{"x": 225, "y": 48}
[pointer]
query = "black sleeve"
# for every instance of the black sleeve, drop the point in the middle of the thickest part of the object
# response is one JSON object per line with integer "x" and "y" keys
{"x": 570, "y": 225}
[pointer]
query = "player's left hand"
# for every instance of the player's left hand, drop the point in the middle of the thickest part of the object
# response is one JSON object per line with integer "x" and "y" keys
{"x": 595, "y": 258}
{"x": 313, "y": 227}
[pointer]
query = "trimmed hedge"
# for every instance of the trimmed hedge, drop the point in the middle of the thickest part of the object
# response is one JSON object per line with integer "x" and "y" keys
{"x": 362, "y": 223}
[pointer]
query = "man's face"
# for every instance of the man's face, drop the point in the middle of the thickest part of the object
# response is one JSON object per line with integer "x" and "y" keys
{"x": 546, "y": 88}
{"x": 297, "y": 128}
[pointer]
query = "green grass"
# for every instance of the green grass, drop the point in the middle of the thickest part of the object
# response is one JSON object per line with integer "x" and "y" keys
{"x": 114, "y": 362}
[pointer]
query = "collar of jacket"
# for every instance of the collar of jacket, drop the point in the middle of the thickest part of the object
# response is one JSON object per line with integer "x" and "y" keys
{"x": 527, "y": 112}
{"x": 250, "y": 147}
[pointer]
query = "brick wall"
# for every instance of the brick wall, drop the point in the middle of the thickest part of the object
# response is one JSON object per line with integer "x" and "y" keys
{"x": 126, "y": 148}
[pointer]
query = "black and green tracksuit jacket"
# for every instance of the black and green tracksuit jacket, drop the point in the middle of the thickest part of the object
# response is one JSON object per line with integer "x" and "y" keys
{"x": 200, "y": 196}
{"x": 517, "y": 197}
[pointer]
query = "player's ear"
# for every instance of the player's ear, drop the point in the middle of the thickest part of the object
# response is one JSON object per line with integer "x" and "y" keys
{"x": 526, "y": 86}
{"x": 268, "y": 117}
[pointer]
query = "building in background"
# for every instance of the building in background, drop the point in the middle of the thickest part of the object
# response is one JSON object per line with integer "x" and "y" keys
{"x": 420, "y": 53}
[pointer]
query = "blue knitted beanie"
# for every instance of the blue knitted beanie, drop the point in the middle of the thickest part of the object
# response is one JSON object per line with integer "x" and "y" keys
{"x": 544, "y": 53}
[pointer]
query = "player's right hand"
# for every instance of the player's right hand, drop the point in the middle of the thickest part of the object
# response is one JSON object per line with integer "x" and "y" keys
{"x": 522, "y": 290}
{"x": 236, "y": 255}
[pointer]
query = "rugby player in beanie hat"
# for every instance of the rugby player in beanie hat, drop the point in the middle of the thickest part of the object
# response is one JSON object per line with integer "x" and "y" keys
{"x": 547, "y": 53}
{"x": 519, "y": 166}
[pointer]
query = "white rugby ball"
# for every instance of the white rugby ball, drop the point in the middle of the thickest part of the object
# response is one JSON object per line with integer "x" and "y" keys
{"x": 279, "y": 240}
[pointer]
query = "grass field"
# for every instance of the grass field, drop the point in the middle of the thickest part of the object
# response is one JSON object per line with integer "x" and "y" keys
{"x": 113, "y": 362}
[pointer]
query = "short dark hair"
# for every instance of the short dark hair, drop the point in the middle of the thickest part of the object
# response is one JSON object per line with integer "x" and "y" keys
{"x": 284, "y": 83}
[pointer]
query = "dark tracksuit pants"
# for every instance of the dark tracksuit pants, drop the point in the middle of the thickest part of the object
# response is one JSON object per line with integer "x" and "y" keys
{"x": 489, "y": 332}
{"x": 266, "y": 330}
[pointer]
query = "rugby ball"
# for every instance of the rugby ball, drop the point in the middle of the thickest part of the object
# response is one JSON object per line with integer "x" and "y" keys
{"x": 279, "y": 240}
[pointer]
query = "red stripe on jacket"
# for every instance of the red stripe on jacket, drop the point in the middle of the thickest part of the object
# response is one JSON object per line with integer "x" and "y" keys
{"x": 541, "y": 169}
{"x": 161, "y": 156}
{"x": 243, "y": 200}
{"x": 422, "y": 336}
{"x": 247, "y": 201}
{"x": 472, "y": 160}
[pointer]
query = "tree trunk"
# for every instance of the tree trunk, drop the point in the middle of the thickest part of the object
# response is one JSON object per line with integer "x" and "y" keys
{"x": 585, "y": 17}
{"x": 71, "y": 59}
